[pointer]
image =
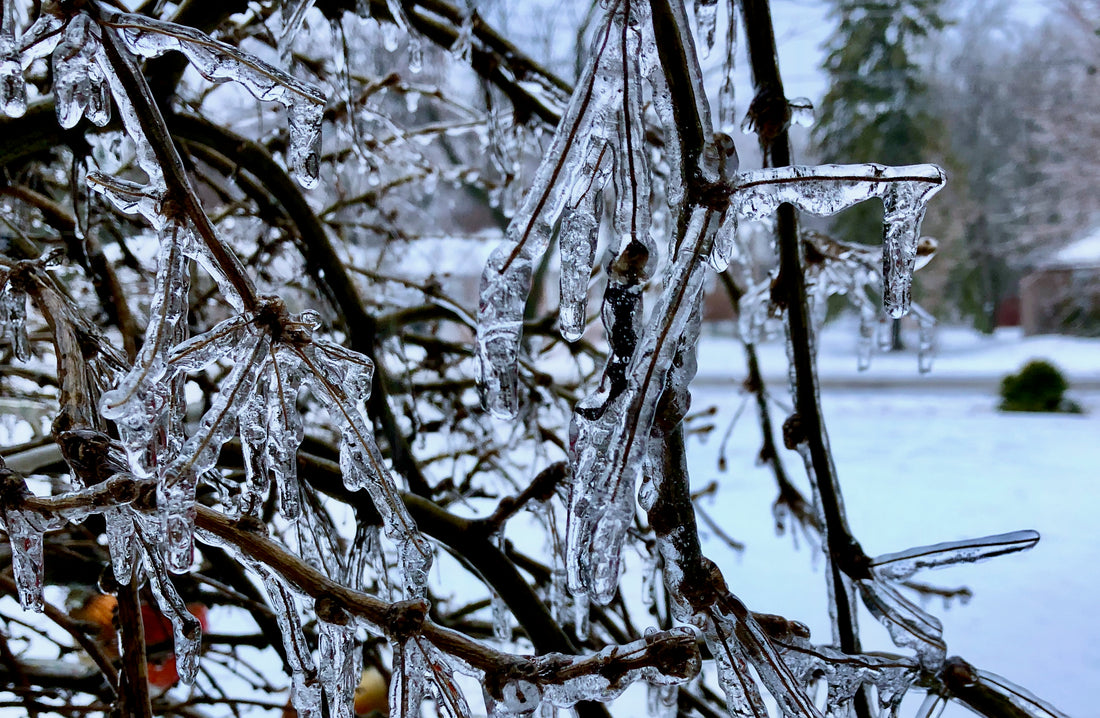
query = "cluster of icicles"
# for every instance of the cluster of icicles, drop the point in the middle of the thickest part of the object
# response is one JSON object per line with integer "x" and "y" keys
{"x": 599, "y": 145}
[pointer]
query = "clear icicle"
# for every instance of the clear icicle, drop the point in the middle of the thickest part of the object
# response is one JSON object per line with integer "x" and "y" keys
{"x": 13, "y": 321}
{"x": 305, "y": 690}
{"x": 138, "y": 405}
{"x": 285, "y": 429}
{"x": 176, "y": 490}
{"x": 909, "y": 625}
{"x": 903, "y": 564}
{"x": 828, "y": 189}
{"x": 24, "y": 530}
{"x": 361, "y": 461}
{"x": 926, "y": 327}
{"x": 868, "y": 320}
{"x": 449, "y": 701}
{"x": 578, "y": 236}
{"x": 339, "y": 658}
{"x": 706, "y": 19}
{"x": 120, "y": 542}
{"x": 407, "y": 684}
{"x": 13, "y": 88}
{"x": 293, "y": 15}
{"x": 502, "y": 628}
{"x": 254, "y": 440}
{"x": 186, "y": 630}
{"x": 506, "y": 279}
{"x": 582, "y": 622}
{"x": 78, "y": 90}
{"x": 662, "y": 701}
{"x": 218, "y": 62}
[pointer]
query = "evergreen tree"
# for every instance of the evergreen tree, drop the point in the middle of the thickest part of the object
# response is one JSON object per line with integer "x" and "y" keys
{"x": 876, "y": 109}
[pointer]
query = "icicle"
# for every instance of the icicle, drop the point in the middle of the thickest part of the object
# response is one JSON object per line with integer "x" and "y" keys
{"x": 25, "y": 530}
{"x": 305, "y": 691}
{"x": 662, "y": 701}
{"x": 506, "y": 279}
{"x": 293, "y": 14}
{"x": 338, "y": 656}
{"x": 77, "y": 89}
{"x": 407, "y": 687}
{"x": 360, "y": 459}
{"x": 577, "y": 238}
{"x": 463, "y": 45}
{"x": 120, "y": 542}
{"x": 727, "y": 111}
{"x": 13, "y": 88}
{"x": 176, "y": 490}
{"x": 254, "y": 440}
{"x": 285, "y": 429}
{"x": 218, "y": 62}
{"x": 903, "y": 564}
{"x": 868, "y": 320}
{"x": 582, "y": 624}
{"x": 725, "y": 246}
{"x": 186, "y": 630}
{"x": 927, "y": 328}
{"x": 909, "y": 625}
{"x": 932, "y": 706}
{"x": 13, "y": 321}
{"x": 649, "y": 579}
{"x": 706, "y": 19}
{"x": 449, "y": 701}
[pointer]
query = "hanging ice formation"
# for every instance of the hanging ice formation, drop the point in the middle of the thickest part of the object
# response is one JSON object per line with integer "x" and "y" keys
{"x": 602, "y": 128}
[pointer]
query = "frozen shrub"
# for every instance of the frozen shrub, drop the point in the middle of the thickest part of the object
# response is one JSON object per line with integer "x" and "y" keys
{"x": 1038, "y": 386}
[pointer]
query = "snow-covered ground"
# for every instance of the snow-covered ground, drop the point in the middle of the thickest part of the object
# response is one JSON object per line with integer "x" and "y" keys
{"x": 924, "y": 459}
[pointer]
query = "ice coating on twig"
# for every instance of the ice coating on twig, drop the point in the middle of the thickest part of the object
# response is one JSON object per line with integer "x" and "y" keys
{"x": 1023, "y": 700}
{"x": 449, "y": 701}
{"x": 578, "y": 237}
{"x": 293, "y": 15}
{"x": 828, "y": 189}
{"x": 79, "y": 84}
{"x": 305, "y": 690}
{"x": 909, "y": 625}
{"x": 606, "y": 108}
{"x": 341, "y": 378}
{"x": 727, "y": 119}
{"x": 176, "y": 489}
{"x": 339, "y": 659}
{"x": 138, "y": 405}
{"x": 737, "y": 626}
{"x": 219, "y": 62}
{"x": 407, "y": 684}
{"x": 13, "y": 320}
{"x": 609, "y": 443}
{"x": 13, "y": 88}
{"x": 186, "y": 629}
{"x": 903, "y": 564}
{"x": 932, "y": 706}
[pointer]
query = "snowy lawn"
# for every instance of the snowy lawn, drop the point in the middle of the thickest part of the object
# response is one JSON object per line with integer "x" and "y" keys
{"x": 920, "y": 464}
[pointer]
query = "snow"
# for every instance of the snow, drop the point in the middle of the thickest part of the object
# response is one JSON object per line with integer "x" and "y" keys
{"x": 1083, "y": 252}
{"x": 923, "y": 459}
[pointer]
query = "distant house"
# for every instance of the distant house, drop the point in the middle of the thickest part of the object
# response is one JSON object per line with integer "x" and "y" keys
{"x": 1062, "y": 295}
